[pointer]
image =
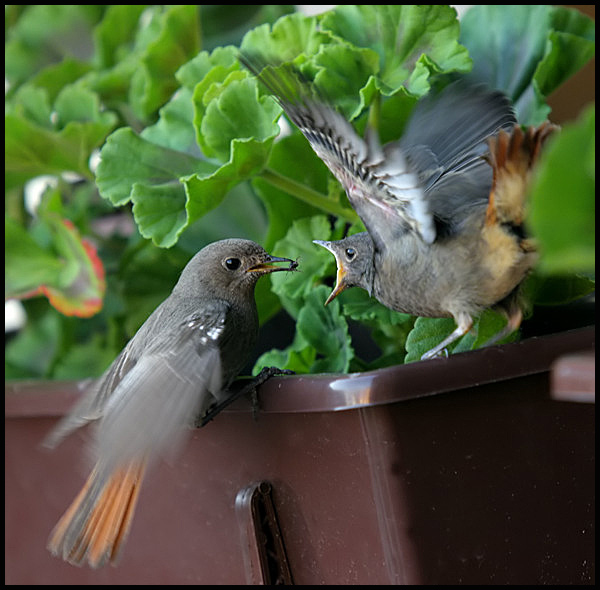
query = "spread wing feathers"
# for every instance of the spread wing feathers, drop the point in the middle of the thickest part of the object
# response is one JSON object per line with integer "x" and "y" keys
{"x": 378, "y": 180}
{"x": 512, "y": 156}
{"x": 177, "y": 366}
{"x": 447, "y": 132}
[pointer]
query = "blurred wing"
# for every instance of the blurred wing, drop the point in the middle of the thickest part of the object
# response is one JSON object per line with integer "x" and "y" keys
{"x": 91, "y": 403}
{"x": 445, "y": 141}
{"x": 175, "y": 379}
{"x": 147, "y": 399}
{"x": 381, "y": 186}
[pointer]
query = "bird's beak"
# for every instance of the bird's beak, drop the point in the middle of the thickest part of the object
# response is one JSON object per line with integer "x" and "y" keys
{"x": 340, "y": 282}
{"x": 268, "y": 265}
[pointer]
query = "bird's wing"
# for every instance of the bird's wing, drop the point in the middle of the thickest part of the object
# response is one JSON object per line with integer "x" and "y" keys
{"x": 445, "y": 140}
{"x": 144, "y": 401}
{"x": 380, "y": 184}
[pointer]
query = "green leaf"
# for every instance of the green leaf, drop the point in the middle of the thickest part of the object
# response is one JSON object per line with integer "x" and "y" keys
{"x": 68, "y": 271}
{"x": 207, "y": 190}
{"x": 207, "y": 69}
{"x": 113, "y": 37}
{"x": 55, "y": 77}
{"x": 175, "y": 42}
{"x": 315, "y": 262}
{"x": 224, "y": 121}
{"x": 543, "y": 289}
{"x": 32, "y": 150}
{"x": 175, "y": 126}
{"x": 133, "y": 169}
{"x": 27, "y": 264}
{"x": 326, "y": 331}
{"x": 223, "y": 26}
{"x": 389, "y": 328}
{"x": 427, "y": 333}
{"x": 290, "y": 38}
{"x": 43, "y": 34}
{"x": 565, "y": 227}
{"x": 292, "y": 158}
{"x": 571, "y": 46}
{"x": 75, "y": 103}
{"x": 171, "y": 189}
{"x": 402, "y": 35}
{"x": 33, "y": 350}
{"x": 322, "y": 343}
{"x": 344, "y": 72}
{"x": 33, "y": 104}
{"x": 523, "y": 54}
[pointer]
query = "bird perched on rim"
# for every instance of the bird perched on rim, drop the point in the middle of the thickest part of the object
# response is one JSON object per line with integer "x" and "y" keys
{"x": 174, "y": 370}
{"x": 443, "y": 207}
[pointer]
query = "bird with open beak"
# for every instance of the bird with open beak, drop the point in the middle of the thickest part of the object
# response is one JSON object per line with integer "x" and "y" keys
{"x": 444, "y": 206}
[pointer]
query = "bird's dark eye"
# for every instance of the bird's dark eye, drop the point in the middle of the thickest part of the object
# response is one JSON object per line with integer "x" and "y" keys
{"x": 350, "y": 253}
{"x": 233, "y": 263}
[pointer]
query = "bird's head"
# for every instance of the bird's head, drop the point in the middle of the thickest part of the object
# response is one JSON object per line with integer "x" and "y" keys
{"x": 232, "y": 265}
{"x": 354, "y": 258}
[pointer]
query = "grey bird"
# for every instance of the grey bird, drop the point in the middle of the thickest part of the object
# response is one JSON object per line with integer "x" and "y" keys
{"x": 176, "y": 368}
{"x": 443, "y": 207}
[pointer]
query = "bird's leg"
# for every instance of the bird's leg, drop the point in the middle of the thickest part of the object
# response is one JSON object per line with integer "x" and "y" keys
{"x": 464, "y": 323}
{"x": 515, "y": 317}
{"x": 249, "y": 388}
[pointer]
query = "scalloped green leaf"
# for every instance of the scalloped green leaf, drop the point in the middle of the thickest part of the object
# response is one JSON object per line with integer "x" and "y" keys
{"x": 128, "y": 159}
{"x": 528, "y": 53}
{"x": 289, "y": 38}
{"x": 27, "y": 265}
{"x": 208, "y": 67}
{"x": 322, "y": 343}
{"x": 315, "y": 261}
{"x": 224, "y": 121}
{"x": 31, "y": 150}
{"x": 205, "y": 191}
{"x": 293, "y": 158}
{"x": 401, "y": 35}
{"x": 177, "y": 41}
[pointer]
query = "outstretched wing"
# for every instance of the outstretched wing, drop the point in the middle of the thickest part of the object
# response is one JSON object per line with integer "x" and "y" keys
{"x": 424, "y": 183}
{"x": 445, "y": 142}
{"x": 378, "y": 181}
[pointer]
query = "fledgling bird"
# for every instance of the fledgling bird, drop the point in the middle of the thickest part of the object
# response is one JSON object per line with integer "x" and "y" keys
{"x": 176, "y": 368}
{"x": 443, "y": 207}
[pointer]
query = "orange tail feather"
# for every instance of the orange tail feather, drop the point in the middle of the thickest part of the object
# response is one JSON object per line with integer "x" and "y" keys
{"x": 95, "y": 526}
{"x": 512, "y": 157}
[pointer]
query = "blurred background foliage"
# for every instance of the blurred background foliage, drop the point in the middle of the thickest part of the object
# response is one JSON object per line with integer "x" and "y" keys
{"x": 150, "y": 140}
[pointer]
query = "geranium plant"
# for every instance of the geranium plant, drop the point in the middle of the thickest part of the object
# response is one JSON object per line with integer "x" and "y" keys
{"x": 190, "y": 151}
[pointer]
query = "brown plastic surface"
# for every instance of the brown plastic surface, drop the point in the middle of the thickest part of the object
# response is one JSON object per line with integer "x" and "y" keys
{"x": 452, "y": 471}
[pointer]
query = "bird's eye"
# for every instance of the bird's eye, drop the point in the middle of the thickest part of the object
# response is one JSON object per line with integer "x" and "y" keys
{"x": 233, "y": 263}
{"x": 350, "y": 253}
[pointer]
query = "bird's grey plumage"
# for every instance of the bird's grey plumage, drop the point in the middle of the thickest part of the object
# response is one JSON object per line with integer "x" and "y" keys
{"x": 178, "y": 364}
{"x": 436, "y": 244}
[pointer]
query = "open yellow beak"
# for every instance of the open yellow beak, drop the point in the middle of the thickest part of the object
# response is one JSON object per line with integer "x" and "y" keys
{"x": 340, "y": 284}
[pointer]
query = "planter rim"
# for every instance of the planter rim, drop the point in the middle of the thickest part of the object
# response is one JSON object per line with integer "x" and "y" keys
{"x": 337, "y": 392}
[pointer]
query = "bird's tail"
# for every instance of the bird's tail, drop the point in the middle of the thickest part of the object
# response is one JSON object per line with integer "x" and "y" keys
{"x": 512, "y": 156}
{"x": 94, "y": 527}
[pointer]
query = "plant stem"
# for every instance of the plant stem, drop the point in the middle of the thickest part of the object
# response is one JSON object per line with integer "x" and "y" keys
{"x": 308, "y": 195}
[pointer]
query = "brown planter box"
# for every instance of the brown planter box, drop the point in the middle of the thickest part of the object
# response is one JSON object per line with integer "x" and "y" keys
{"x": 477, "y": 469}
